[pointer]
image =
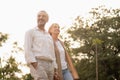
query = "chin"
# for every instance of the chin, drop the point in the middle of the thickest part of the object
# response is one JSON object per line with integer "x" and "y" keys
{"x": 41, "y": 24}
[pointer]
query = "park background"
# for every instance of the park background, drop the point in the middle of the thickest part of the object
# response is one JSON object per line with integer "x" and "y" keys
{"x": 17, "y": 16}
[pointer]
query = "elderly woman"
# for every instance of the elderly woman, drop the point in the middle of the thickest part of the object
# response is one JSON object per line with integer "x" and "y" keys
{"x": 66, "y": 70}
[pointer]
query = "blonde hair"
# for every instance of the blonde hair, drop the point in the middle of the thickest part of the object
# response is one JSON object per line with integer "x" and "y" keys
{"x": 53, "y": 24}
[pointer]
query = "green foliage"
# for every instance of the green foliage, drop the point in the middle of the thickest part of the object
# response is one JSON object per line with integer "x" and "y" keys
{"x": 103, "y": 30}
{"x": 96, "y": 41}
{"x": 3, "y": 38}
{"x": 9, "y": 69}
{"x": 27, "y": 77}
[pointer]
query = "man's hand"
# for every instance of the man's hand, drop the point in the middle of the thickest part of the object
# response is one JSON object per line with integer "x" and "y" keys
{"x": 56, "y": 76}
{"x": 34, "y": 64}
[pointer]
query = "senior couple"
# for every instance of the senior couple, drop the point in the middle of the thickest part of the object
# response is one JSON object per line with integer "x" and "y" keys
{"x": 45, "y": 53}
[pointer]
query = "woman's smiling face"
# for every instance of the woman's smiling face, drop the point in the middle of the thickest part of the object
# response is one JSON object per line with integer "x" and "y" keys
{"x": 54, "y": 29}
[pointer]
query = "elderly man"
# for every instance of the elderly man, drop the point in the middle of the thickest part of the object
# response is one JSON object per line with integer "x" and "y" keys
{"x": 39, "y": 50}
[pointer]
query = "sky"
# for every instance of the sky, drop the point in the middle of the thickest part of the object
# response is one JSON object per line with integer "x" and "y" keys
{"x": 17, "y": 16}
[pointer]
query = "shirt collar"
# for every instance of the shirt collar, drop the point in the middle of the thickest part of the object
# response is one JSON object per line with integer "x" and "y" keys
{"x": 36, "y": 28}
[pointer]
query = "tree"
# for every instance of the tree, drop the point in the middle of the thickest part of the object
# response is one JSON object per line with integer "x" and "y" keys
{"x": 104, "y": 25}
{"x": 3, "y": 38}
{"x": 9, "y": 68}
{"x": 27, "y": 77}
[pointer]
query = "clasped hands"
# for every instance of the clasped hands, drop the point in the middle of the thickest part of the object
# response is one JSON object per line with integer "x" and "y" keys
{"x": 56, "y": 75}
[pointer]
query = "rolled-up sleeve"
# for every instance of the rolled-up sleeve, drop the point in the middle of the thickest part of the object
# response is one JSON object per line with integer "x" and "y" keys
{"x": 29, "y": 56}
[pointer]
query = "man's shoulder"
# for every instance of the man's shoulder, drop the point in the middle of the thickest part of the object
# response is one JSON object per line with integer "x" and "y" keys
{"x": 30, "y": 30}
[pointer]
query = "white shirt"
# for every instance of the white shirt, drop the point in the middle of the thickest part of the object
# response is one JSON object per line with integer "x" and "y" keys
{"x": 38, "y": 43}
{"x": 62, "y": 55}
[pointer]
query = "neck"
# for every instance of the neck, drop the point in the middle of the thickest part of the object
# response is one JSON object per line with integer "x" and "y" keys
{"x": 41, "y": 28}
{"x": 55, "y": 37}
